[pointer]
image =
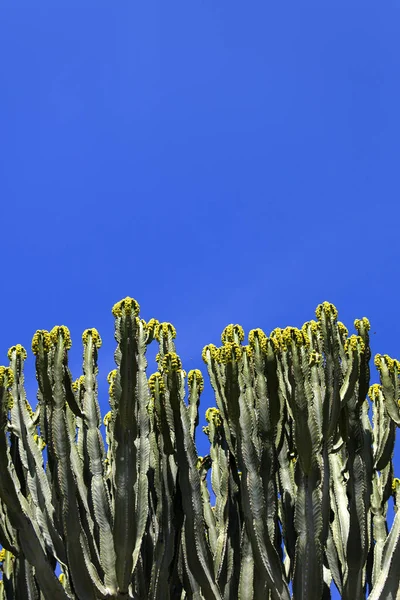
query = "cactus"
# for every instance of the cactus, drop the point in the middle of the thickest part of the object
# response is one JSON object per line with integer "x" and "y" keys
{"x": 302, "y": 477}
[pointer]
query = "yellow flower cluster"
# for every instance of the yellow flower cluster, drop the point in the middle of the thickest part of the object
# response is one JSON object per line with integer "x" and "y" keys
{"x": 328, "y": 308}
{"x": 199, "y": 462}
{"x": 165, "y": 329}
{"x": 29, "y": 408}
{"x": 6, "y": 377}
{"x": 39, "y": 441}
{"x": 277, "y": 339}
{"x": 228, "y": 334}
{"x": 171, "y": 359}
{"x": 95, "y": 337}
{"x": 213, "y": 350}
{"x": 395, "y": 484}
{"x": 196, "y": 374}
{"x": 312, "y": 325}
{"x": 41, "y": 335}
{"x": 290, "y": 334}
{"x": 152, "y": 325}
{"x": 391, "y": 363}
{"x": 2, "y": 555}
{"x": 354, "y": 343}
{"x": 139, "y": 322}
{"x": 126, "y": 304}
{"x": 111, "y": 376}
{"x": 20, "y": 351}
{"x": 248, "y": 350}
{"x": 213, "y": 415}
{"x": 111, "y": 380}
{"x": 107, "y": 418}
{"x": 374, "y": 391}
{"x": 156, "y": 381}
{"x": 343, "y": 331}
{"x": 230, "y": 352}
{"x": 262, "y": 339}
{"x": 364, "y": 321}
{"x": 315, "y": 358}
{"x": 64, "y": 332}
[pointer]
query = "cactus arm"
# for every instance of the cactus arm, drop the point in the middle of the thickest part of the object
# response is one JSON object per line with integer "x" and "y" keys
{"x": 125, "y": 433}
{"x": 191, "y": 585}
{"x": 219, "y": 482}
{"x": 196, "y": 386}
{"x": 18, "y": 510}
{"x": 76, "y": 544}
{"x": 379, "y": 510}
{"x": 254, "y": 508}
{"x": 198, "y": 551}
{"x": 142, "y": 506}
{"x": 7, "y": 532}
{"x": 334, "y": 562}
{"x": 341, "y": 520}
{"x": 210, "y": 356}
{"x": 93, "y": 448}
{"x": 387, "y": 584}
{"x": 359, "y": 449}
{"x": 30, "y": 452}
{"x": 309, "y": 508}
{"x": 246, "y": 579}
{"x": 287, "y": 489}
{"x": 384, "y": 431}
{"x": 25, "y": 584}
{"x": 204, "y": 465}
{"x": 389, "y": 371}
{"x": 165, "y": 515}
{"x": 308, "y": 572}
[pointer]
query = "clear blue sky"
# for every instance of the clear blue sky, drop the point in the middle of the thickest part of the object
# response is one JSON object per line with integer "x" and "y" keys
{"x": 218, "y": 161}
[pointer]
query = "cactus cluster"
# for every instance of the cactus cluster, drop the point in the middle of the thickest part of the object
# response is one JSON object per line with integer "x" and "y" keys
{"x": 301, "y": 477}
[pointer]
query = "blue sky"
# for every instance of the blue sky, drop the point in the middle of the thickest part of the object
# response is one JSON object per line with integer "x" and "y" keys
{"x": 218, "y": 161}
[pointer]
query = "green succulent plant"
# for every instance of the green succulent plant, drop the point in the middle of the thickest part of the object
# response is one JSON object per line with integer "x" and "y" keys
{"x": 301, "y": 477}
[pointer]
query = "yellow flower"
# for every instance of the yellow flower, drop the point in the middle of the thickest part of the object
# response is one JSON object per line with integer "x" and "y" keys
{"x": 164, "y": 330}
{"x": 152, "y": 325}
{"x": 63, "y": 331}
{"x": 231, "y": 332}
{"x": 230, "y": 352}
{"x": 96, "y": 339}
{"x": 213, "y": 415}
{"x": 364, "y": 321}
{"x": 374, "y": 391}
{"x": 211, "y": 350}
{"x": 156, "y": 383}
{"x": 171, "y": 362}
{"x": 354, "y": 343}
{"x": 127, "y": 304}
{"x": 328, "y": 308}
{"x": 395, "y": 484}
{"x": 107, "y": 418}
{"x": 277, "y": 339}
{"x": 312, "y": 327}
{"x": 315, "y": 358}
{"x": 111, "y": 376}
{"x": 19, "y": 350}
{"x": 292, "y": 333}
{"x": 260, "y": 336}
{"x": 6, "y": 377}
{"x": 41, "y": 335}
{"x": 391, "y": 363}
{"x": 196, "y": 375}
{"x": 342, "y": 329}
